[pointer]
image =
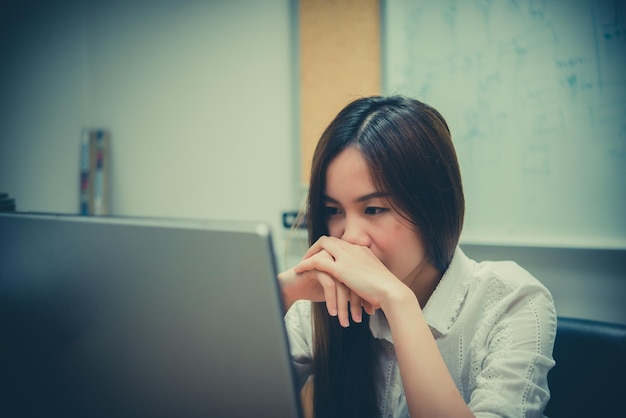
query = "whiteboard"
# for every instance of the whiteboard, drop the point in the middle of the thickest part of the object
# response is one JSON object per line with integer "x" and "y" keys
{"x": 534, "y": 93}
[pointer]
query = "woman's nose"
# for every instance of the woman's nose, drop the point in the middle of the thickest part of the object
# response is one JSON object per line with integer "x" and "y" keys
{"x": 355, "y": 232}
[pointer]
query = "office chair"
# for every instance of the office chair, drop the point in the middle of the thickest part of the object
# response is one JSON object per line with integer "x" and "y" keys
{"x": 589, "y": 378}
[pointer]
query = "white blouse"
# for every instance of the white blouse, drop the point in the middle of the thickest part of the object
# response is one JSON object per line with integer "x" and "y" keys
{"x": 494, "y": 324}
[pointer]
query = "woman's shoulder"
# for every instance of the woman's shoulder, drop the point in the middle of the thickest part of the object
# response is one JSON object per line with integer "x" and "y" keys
{"x": 500, "y": 284}
{"x": 507, "y": 274}
{"x": 504, "y": 288}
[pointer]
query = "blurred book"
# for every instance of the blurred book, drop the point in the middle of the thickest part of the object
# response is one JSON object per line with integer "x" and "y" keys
{"x": 85, "y": 180}
{"x": 94, "y": 172}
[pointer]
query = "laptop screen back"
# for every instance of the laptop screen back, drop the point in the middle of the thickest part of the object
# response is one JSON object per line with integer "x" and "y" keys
{"x": 140, "y": 317}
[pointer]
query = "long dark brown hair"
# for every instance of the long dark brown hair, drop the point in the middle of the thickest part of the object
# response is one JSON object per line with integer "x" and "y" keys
{"x": 410, "y": 155}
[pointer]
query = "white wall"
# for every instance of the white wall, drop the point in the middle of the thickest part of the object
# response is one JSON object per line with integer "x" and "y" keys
{"x": 198, "y": 96}
{"x": 201, "y": 99}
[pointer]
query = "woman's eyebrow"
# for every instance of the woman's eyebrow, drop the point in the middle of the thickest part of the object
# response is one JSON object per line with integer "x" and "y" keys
{"x": 361, "y": 199}
{"x": 375, "y": 195}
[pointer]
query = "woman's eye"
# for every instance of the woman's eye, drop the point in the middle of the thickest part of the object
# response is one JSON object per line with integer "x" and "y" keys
{"x": 331, "y": 211}
{"x": 372, "y": 210}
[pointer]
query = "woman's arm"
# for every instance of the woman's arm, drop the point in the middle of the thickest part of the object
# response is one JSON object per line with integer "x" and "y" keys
{"x": 428, "y": 386}
{"x": 285, "y": 278}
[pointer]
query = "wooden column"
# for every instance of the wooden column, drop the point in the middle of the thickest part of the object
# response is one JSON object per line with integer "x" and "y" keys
{"x": 339, "y": 61}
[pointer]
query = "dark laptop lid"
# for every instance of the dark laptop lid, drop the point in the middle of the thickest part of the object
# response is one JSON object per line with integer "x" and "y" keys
{"x": 140, "y": 317}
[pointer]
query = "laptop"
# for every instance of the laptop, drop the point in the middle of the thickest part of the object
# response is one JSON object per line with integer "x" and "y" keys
{"x": 137, "y": 317}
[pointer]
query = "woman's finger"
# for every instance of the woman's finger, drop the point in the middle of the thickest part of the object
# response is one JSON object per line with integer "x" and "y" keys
{"x": 330, "y": 292}
{"x": 369, "y": 308}
{"x": 323, "y": 262}
{"x": 343, "y": 297}
{"x": 328, "y": 244}
{"x": 356, "y": 311}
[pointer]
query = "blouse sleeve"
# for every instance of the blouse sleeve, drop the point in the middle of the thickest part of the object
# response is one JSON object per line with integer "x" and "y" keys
{"x": 509, "y": 375}
{"x": 299, "y": 333}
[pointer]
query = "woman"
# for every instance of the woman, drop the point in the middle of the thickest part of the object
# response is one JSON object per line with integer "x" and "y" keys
{"x": 386, "y": 315}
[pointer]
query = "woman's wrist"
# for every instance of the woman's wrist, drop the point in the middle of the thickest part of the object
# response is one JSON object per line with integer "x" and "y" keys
{"x": 397, "y": 298}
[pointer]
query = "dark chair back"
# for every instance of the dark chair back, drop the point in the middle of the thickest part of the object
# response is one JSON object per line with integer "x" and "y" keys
{"x": 589, "y": 378}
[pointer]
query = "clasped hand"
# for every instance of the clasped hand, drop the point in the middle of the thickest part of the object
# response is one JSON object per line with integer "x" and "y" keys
{"x": 348, "y": 277}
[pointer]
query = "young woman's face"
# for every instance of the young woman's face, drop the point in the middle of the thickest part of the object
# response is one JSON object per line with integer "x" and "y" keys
{"x": 360, "y": 214}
